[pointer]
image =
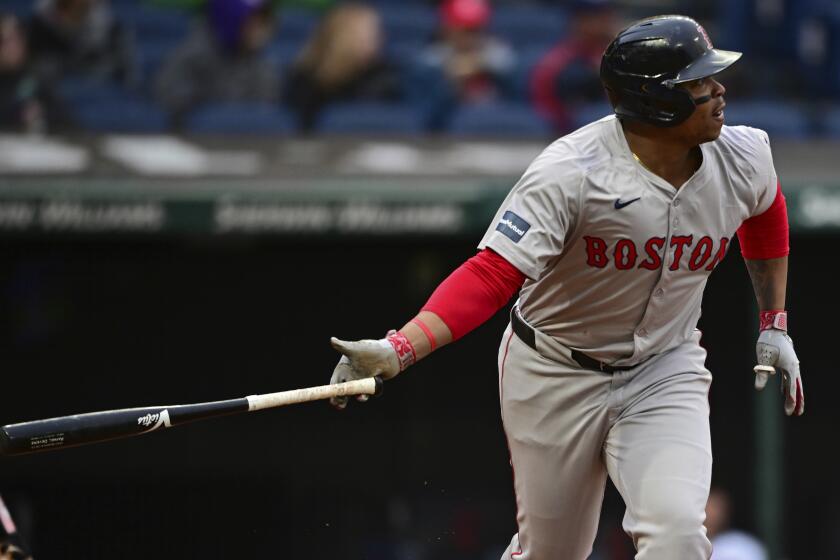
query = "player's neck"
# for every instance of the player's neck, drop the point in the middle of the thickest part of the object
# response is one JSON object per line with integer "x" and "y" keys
{"x": 661, "y": 154}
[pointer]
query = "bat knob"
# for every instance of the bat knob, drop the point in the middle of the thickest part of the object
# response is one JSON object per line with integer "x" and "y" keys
{"x": 4, "y": 441}
{"x": 380, "y": 386}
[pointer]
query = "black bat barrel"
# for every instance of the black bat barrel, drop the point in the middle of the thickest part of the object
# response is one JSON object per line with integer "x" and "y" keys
{"x": 81, "y": 429}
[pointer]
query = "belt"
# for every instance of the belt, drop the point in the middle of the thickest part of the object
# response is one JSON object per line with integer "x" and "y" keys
{"x": 528, "y": 335}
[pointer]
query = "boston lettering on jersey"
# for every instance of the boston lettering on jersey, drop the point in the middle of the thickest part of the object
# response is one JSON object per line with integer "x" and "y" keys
{"x": 687, "y": 253}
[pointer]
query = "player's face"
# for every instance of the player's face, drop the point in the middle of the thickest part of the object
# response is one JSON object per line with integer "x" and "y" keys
{"x": 705, "y": 123}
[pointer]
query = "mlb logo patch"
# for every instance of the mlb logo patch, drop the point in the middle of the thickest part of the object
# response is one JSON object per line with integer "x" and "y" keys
{"x": 513, "y": 226}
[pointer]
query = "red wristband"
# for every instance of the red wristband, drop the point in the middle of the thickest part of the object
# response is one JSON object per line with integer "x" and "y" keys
{"x": 427, "y": 331}
{"x": 405, "y": 351}
{"x": 773, "y": 319}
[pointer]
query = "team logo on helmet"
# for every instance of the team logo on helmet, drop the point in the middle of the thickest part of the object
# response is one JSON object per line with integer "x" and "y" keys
{"x": 705, "y": 36}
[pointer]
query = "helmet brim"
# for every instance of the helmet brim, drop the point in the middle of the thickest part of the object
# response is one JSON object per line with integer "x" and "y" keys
{"x": 712, "y": 62}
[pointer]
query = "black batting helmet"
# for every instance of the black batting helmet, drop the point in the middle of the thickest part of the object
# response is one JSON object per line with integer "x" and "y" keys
{"x": 645, "y": 62}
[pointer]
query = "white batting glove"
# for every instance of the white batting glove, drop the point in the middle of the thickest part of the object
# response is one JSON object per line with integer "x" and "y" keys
{"x": 774, "y": 350}
{"x": 385, "y": 357}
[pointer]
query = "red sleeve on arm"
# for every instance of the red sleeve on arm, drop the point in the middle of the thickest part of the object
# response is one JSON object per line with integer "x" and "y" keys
{"x": 474, "y": 292}
{"x": 767, "y": 235}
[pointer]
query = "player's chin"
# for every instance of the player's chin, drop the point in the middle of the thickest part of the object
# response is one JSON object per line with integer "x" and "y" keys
{"x": 712, "y": 129}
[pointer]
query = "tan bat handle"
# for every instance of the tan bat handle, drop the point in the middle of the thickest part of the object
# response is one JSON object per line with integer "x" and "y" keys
{"x": 369, "y": 386}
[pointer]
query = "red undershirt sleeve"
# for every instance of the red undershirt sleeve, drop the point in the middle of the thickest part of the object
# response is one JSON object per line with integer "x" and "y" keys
{"x": 474, "y": 292}
{"x": 766, "y": 236}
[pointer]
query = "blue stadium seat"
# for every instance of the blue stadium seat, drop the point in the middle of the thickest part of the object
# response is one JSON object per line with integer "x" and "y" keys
{"x": 295, "y": 26}
{"x": 416, "y": 23}
{"x": 585, "y": 114}
{"x": 780, "y": 120}
{"x": 283, "y": 54}
{"x": 507, "y": 120}
{"x": 523, "y": 25}
{"x": 831, "y": 122}
{"x": 126, "y": 114}
{"x": 152, "y": 23}
{"x": 240, "y": 118}
{"x": 403, "y": 52}
{"x": 151, "y": 56}
{"x": 372, "y": 118}
{"x": 86, "y": 91}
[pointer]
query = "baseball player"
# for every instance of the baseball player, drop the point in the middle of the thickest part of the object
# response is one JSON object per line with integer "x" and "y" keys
{"x": 609, "y": 237}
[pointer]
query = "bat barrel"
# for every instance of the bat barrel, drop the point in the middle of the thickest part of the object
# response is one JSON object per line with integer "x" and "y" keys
{"x": 80, "y": 429}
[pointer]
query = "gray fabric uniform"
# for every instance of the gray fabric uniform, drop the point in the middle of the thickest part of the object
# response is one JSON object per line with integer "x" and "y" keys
{"x": 616, "y": 261}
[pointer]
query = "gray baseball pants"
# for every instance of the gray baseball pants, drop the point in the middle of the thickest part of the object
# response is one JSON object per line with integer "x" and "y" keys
{"x": 568, "y": 428}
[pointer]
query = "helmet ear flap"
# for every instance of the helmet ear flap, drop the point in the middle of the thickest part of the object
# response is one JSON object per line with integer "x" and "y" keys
{"x": 656, "y": 104}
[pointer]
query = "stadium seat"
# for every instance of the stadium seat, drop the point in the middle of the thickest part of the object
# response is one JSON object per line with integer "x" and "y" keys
{"x": 295, "y": 26}
{"x": 504, "y": 120}
{"x": 523, "y": 25}
{"x": 282, "y": 56}
{"x": 152, "y": 23}
{"x": 150, "y": 57}
{"x": 87, "y": 91}
{"x": 373, "y": 118}
{"x": 780, "y": 120}
{"x": 240, "y": 118}
{"x": 831, "y": 122}
{"x": 414, "y": 23}
{"x": 126, "y": 114}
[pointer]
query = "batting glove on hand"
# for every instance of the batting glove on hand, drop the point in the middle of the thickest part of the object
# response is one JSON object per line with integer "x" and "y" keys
{"x": 775, "y": 351}
{"x": 385, "y": 357}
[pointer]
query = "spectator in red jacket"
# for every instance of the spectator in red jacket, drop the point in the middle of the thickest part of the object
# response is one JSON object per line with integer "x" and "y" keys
{"x": 475, "y": 63}
{"x": 568, "y": 75}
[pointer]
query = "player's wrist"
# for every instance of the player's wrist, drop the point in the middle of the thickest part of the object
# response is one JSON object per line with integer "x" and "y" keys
{"x": 406, "y": 355}
{"x": 772, "y": 319}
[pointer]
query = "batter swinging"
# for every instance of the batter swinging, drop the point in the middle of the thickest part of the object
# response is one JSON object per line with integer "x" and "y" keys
{"x": 609, "y": 237}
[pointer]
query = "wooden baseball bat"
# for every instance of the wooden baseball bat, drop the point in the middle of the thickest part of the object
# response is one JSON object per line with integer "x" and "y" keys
{"x": 93, "y": 427}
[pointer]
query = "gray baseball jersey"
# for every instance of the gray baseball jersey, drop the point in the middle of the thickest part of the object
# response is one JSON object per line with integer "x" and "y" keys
{"x": 616, "y": 258}
{"x": 616, "y": 261}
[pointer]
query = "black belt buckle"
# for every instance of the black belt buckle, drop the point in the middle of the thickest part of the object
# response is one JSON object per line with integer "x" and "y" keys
{"x": 591, "y": 363}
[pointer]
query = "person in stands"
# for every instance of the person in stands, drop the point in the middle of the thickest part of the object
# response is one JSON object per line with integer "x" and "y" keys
{"x": 568, "y": 75}
{"x": 342, "y": 62}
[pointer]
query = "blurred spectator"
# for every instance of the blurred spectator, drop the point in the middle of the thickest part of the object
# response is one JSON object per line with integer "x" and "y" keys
{"x": 81, "y": 38}
{"x": 341, "y": 62}
{"x": 727, "y": 543}
{"x": 26, "y": 103}
{"x": 568, "y": 75}
{"x": 221, "y": 61}
{"x": 477, "y": 67}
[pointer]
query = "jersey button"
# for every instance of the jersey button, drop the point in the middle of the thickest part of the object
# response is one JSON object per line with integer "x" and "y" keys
{"x": 659, "y": 292}
{"x": 677, "y": 202}
{"x": 642, "y": 332}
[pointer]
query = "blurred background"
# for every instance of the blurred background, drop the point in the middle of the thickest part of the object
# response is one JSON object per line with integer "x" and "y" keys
{"x": 196, "y": 194}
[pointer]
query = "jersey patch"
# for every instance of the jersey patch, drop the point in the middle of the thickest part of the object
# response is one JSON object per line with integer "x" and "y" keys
{"x": 513, "y": 226}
